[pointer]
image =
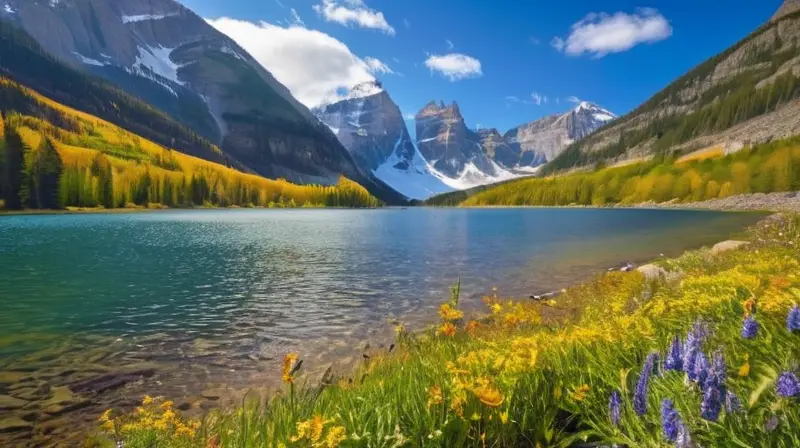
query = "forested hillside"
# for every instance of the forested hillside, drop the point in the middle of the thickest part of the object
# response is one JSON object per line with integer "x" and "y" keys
{"x": 26, "y": 62}
{"x": 765, "y": 168}
{"x": 54, "y": 156}
{"x": 756, "y": 76}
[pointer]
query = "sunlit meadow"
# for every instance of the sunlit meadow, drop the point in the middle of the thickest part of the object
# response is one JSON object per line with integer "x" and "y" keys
{"x": 702, "y": 352}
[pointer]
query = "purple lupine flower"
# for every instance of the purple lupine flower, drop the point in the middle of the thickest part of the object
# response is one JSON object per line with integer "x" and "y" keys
{"x": 732, "y": 403}
{"x": 712, "y": 402}
{"x": 771, "y": 424}
{"x": 684, "y": 439}
{"x": 674, "y": 360}
{"x": 670, "y": 420}
{"x": 793, "y": 320}
{"x": 750, "y": 327}
{"x": 718, "y": 373}
{"x": 614, "y": 404}
{"x": 691, "y": 348}
{"x": 640, "y": 395}
{"x": 701, "y": 369}
{"x": 788, "y": 385}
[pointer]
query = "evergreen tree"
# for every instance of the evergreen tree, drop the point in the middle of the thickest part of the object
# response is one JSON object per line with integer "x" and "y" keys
{"x": 44, "y": 174}
{"x": 103, "y": 171}
{"x": 15, "y": 189}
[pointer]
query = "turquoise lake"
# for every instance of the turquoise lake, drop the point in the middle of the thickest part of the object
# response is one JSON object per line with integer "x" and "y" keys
{"x": 217, "y": 297}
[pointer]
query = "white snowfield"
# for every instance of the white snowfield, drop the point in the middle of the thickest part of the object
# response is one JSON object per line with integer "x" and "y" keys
{"x": 143, "y": 17}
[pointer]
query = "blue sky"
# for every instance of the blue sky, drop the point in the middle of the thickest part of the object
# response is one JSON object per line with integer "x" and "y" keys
{"x": 617, "y": 57}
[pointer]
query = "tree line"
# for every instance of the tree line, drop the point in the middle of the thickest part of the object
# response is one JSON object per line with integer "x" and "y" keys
{"x": 51, "y": 176}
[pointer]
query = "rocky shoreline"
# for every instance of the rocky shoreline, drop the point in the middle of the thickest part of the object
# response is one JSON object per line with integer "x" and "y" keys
{"x": 769, "y": 202}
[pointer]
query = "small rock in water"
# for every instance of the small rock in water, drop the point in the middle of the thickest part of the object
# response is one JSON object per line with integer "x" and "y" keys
{"x": 13, "y": 424}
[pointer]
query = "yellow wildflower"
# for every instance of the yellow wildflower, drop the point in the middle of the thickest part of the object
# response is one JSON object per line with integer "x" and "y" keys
{"x": 106, "y": 416}
{"x": 749, "y": 306}
{"x": 167, "y": 404}
{"x": 557, "y": 393}
{"x": 488, "y": 395}
{"x": 435, "y": 396}
{"x": 448, "y": 313}
{"x": 580, "y": 392}
{"x": 288, "y": 365}
{"x": 744, "y": 370}
{"x": 147, "y": 400}
{"x": 447, "y": 329}
{"x": 504, "y": 417}
{"x": 336, "y": 435}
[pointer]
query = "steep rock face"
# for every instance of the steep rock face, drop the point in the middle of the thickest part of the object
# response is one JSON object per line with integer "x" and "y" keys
{"x": 451, "y": 148}
{"x": 729, "y": 91}
{"x": 543, "y": 140}
{"x": 498, "y": 148}
{"x": 372, "y": 128}
{"x": 788, "y": 7}
{"x": 170, "y": 57}
{"x": 369, "y": 124}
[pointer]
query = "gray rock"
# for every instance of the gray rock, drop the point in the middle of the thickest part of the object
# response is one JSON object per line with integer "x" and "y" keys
{"x": 652, "y": 272}
{"x": 726, "y": 246}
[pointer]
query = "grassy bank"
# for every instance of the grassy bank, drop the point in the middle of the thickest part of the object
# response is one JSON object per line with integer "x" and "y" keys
{"x": 702, "y": 353}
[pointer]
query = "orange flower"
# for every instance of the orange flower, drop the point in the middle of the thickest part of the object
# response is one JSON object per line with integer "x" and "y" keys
{"x": 579, "y": 394}
{"x": 435, "y": 396}
{"x": 447, "y": 329}
{"x": 749, "y": 306}
{"x": 288, "y": 366}
{"x": 488, "y": 395}
{"x": 448, "y": 313}
{"x": 472, "y": 327}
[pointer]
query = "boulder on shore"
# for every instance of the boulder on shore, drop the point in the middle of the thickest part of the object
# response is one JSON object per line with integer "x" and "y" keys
{"x": 726, "y": 246}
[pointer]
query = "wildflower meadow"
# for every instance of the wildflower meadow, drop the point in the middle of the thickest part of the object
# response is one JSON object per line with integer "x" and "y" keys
{"x": 705, "y": 354}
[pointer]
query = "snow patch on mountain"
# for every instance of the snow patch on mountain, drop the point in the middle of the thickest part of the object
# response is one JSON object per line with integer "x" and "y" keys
{"x": 157, "y": 60}
{"x": 419, "y": 181}
{"x": 89, "y": 61}
{"x": 143, "y": 17}
{"x": 9, "y": 10}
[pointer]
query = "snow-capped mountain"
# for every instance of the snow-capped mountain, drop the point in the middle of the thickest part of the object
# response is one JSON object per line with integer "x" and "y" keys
{"x": 168, "y": 56}
{"x": 540, "y": 141}
{"x": 454, "y": 150}
{"x": 370, "y": 125}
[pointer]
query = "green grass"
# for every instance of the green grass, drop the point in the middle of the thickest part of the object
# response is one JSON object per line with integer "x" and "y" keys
{"x": 541, "y": 374}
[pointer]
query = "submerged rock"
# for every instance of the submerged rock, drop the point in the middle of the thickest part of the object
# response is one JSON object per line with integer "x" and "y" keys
{"x": 10, "y": 403}
{"x": 13, "y": 424}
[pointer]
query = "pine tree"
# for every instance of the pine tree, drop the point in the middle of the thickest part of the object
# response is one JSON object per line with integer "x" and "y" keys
{"x": 103, "y": 171}
{"x": 44, "y": 174}
{"x": 15, "y": 189}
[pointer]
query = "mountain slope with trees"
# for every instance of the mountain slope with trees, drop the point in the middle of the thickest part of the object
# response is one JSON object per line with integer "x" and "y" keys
{"x": 53, "y": 156}
{"x": 715, "y": 103}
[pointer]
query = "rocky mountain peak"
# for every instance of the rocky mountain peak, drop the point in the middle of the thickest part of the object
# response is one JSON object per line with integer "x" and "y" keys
{"x": 788, "y": 7}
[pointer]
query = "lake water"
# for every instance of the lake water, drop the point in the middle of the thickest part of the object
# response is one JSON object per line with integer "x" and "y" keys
{"x": 198, "y": 299}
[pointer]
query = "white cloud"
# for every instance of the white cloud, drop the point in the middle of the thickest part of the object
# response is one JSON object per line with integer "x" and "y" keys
{"x": 600, "y": 34}
{"x": 377, "y": 66}
{"x": 449, "y": 43}
{"x": 353, "y": 12}
{"x": 313, "y": 65}
{"x": 296, "y": 20}
{"x": 537, "y": 99}
{"x": 406, "y": 23}
{"x": 573, "y": 99}
{"x": 410, "y": 117}
{"x": 455, "y": 66}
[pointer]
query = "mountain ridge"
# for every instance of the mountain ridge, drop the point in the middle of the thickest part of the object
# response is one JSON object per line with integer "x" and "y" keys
{"x": 164, "y": 53}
